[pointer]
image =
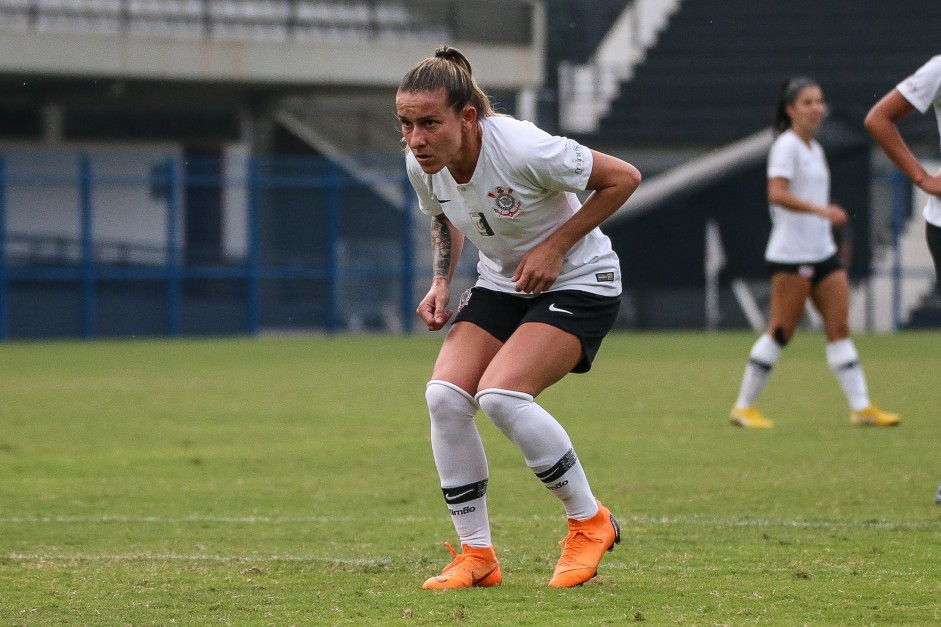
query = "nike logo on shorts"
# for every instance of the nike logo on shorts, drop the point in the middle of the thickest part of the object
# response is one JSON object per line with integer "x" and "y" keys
{"x": 555, "y": 309}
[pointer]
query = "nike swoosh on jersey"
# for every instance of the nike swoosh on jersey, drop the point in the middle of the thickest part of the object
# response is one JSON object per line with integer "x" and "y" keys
{"x": 555, "y": 309}
{"x": 440, "y": 201}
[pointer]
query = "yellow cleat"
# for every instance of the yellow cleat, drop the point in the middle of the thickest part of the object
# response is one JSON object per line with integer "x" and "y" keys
{"x": 474, "y": 567}
{"x": 583, "y": 547}
{"x": 872, "y": 416}
{"x": 750, "y": 418}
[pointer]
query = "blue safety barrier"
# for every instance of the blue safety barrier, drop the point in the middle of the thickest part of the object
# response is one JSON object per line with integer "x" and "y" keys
{"x": 68, "y": 237}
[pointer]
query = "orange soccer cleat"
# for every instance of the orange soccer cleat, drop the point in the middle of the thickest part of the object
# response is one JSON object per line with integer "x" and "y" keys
{"x": 583, "y": 548}
{"x": 475, "y": 566}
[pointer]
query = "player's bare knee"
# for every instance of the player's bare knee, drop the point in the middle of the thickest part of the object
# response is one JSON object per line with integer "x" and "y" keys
{"x": 781, "y": 336}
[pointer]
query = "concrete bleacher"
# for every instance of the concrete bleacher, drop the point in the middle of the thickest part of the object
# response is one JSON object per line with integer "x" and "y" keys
{"x": 714, "y": 73}
{"x": 275, "y": 20}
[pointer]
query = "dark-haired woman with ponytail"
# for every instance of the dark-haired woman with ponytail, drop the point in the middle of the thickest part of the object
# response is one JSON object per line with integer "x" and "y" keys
{"x": 802, "y": 258}
{"x": 548, "y": 292}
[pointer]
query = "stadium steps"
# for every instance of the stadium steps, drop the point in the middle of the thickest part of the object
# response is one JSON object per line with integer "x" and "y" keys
{"x": 351, "y": 131}
{"x": 714, "y": 73}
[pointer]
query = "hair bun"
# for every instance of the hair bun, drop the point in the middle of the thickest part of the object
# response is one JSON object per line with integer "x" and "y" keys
{"x": 455, "y": 56}
{"x": 445, "y": 52}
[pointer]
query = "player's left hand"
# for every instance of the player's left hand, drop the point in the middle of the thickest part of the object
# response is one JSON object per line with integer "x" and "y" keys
{"x": 837, "y": 216}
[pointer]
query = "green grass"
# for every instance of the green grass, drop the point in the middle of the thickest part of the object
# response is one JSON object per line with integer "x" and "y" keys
{"x": 290, "y": 481}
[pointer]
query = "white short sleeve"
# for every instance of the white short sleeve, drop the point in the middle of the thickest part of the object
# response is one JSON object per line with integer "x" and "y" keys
{"x": 548, "y": 162}
{"x": 560, "y": 164}
{"x": 783, "y": 158}
{"x": 923, "y": 88}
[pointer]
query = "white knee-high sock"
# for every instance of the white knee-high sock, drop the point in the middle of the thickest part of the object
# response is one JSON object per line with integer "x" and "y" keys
{"x": 460, "y": 460}
{"x": 764, "y": 354}
{"x": 844, "y": 362}
{"x": 545, "y": 445}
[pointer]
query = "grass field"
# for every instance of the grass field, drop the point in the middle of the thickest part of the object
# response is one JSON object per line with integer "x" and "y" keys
{"x": 285, "y": 481}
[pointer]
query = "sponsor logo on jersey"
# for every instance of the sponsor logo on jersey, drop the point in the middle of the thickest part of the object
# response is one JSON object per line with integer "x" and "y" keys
{"x": 579, "y": 161}
{"x": 480, "y": 221}
{"x": 504, "y": 205}
{"x": 604, "y": 277}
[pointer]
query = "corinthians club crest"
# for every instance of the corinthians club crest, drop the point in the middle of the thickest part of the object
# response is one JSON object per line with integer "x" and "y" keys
{"x": 504, "y": 205}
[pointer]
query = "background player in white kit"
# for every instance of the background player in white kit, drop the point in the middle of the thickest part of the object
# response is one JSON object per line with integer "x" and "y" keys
{"x": 547, "y": 294}
{"x": 920, "y": 91}
{"x": 802, "y": 257}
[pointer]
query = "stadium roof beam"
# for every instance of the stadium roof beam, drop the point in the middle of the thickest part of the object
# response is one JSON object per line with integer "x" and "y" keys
{"x": 366, "y": 62}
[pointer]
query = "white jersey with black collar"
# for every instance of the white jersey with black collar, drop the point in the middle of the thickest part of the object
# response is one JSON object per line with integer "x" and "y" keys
{"x": 522, "y": 191}
{"x": 800, "y": 236}
{"x": 923, "y": 90}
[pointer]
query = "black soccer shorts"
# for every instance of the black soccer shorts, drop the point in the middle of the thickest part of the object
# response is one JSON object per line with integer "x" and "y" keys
{"x": 587, "y": 316}
{"x": 815, "y": 272}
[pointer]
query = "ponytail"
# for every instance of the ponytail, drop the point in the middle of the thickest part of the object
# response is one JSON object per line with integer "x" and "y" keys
{"x": 449, "y": 70}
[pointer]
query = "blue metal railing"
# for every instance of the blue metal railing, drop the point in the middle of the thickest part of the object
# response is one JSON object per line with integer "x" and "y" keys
{"x": 88, "y": 248}
{"x": 4, "y": 293}
{"x": 901, "y": 203}
{"x": 900, "y": 193}
{"x": 174, "y": 254}
{"x": 79, "y": 264}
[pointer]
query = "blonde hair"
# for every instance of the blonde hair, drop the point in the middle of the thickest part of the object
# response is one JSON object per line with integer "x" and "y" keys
{"x": 449, "y": 70}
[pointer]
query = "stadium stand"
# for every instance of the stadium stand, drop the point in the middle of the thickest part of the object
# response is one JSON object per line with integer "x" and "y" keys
{"x": 167, "y": 166}
{"x": 712, "y": 77}
{"x": 710, "y": 80}
{"x": 276, "y": 20}
{"x": 209, "y": 81}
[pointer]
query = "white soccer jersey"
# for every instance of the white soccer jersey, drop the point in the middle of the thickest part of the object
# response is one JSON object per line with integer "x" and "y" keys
{"x": 923, "y": 89}
{"x": 799, "y": 236}
{"x": 522, "y": 190}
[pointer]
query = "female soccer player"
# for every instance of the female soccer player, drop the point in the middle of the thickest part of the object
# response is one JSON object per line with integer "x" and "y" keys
{"x": 547, "y": 294}
{"x": 802, "y": 258}
{"x": 919, "y": 91}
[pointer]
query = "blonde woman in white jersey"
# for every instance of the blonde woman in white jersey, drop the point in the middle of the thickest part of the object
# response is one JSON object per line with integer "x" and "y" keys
{"x": 547, "y": 294}
{"x": 802, "y": 257}
{"x": 921, "y": 91}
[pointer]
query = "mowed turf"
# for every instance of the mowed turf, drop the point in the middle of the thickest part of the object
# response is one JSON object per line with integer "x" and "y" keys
{"x": 283, "y": 481}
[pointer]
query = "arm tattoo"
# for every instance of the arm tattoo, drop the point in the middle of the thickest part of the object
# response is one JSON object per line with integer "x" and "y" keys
{"x": 440, "y": 247}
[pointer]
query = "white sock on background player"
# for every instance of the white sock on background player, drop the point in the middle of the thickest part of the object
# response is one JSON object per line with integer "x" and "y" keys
{"x": 844, "y": 362}
{"x": 762, "y": 358}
